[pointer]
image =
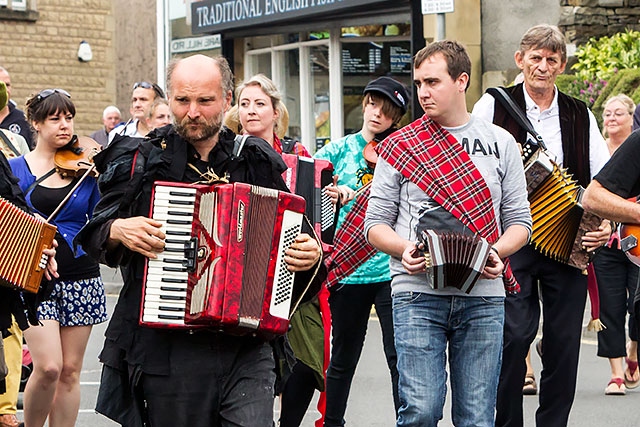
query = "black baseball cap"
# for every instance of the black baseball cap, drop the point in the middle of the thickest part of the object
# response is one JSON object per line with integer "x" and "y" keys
{"x": 392, "y": 89}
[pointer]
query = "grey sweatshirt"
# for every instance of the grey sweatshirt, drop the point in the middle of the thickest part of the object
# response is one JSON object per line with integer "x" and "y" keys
{"x": 404, "y": 207}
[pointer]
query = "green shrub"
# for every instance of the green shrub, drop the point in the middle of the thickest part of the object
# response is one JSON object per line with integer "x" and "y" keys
{"x": 623, "y": 82}
{"x": 585, "y": 90}
{"x": 599, "y": 59}
{"x": 564, "y": 82}
{"x": 635, "y": 95}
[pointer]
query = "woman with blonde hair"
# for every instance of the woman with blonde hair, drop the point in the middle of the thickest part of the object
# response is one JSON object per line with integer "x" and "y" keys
{"x": 259, "y": 111}
{"x": 159, "y": 114}
{"x": 617, "y": 276}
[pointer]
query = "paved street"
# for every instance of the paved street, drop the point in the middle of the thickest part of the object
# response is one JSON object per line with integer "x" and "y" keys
{"x": 371, "y": 405}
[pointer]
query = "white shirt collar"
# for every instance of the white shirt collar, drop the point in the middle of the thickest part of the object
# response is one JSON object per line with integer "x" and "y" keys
{"x": 531, "y": 105}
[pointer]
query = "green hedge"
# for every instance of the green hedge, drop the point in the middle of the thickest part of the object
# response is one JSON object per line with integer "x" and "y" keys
{"x": 625, "y": 81}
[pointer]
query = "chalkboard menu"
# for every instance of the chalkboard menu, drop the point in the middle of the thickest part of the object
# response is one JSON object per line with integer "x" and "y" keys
{"x": 376, "y": 58}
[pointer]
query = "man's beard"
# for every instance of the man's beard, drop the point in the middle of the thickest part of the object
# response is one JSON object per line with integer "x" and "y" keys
{"x": 206, "y": 130}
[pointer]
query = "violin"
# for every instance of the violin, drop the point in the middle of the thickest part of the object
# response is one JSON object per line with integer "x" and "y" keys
{"x": 370, "y": 152}
{"x": 76, "y": 157}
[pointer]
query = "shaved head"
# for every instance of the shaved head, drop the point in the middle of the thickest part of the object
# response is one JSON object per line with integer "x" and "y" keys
{"x": 200, "y": 92}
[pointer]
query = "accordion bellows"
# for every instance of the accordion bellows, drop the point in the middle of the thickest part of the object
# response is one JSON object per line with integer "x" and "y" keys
{"x": 559, "y": 222}
{"x": 307, "y": 177}
{"x": 23, "y": 238}
{"x": 454, "y": 259}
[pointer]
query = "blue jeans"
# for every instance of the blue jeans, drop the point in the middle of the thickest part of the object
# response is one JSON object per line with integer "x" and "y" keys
{"x": 472, "y": 327}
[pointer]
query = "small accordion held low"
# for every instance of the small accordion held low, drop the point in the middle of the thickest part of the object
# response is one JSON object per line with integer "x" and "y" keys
{"x": 307, "y": 177}
{"x": 223, "y": 265}
{"x": 23, "y": 238}
{"x": 559, "y": 221}
{"x": 454, "y": 259}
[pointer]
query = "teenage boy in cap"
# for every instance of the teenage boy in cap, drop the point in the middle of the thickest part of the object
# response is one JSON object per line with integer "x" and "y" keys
{"x": 385, "y": 102}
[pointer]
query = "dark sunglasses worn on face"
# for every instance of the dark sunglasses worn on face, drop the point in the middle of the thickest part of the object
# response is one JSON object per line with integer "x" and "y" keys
{"x": 48, "y": 92}
{"x": 147, "y": 85}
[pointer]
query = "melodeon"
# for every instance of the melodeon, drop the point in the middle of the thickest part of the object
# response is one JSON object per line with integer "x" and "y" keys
{"x": 23, "y": 238}
{"x": 454, "y": 259}
{"x": 559, "y": 221}
{"x": 223, "y": 264}
{"x": 307, "y": 177}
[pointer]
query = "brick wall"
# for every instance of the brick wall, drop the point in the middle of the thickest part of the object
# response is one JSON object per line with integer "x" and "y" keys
{"x": 39, "y": 49}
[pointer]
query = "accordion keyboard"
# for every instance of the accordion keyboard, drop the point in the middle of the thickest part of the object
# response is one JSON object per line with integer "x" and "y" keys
{"x": 167, "y": 275}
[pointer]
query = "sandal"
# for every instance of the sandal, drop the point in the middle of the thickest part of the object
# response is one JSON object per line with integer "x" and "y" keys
{"x": 615, "y": 387}
{"x": 632, "y": 368}
{"x": 530, "y": 387}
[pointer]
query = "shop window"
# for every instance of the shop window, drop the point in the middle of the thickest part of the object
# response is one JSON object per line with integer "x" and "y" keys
{"x": 389, "y": 30}
{"x": 18, "y": 5}
{"x": 319, "y": 56}
{"x": 368, "y": 52}
{"x": 322, "y": 73}
{"x": 18, "y": 10}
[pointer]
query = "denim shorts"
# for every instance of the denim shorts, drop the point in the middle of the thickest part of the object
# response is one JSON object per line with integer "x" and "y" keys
{"x": 76, "y": 303}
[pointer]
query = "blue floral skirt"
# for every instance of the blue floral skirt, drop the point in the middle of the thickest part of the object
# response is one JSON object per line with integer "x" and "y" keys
{"x": 76, "y": 303}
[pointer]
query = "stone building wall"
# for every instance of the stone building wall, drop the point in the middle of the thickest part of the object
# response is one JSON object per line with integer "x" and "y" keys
{"x": 39, "y": 48}
{"x": 583, "y": 19}
{"x": 136, "y": 47}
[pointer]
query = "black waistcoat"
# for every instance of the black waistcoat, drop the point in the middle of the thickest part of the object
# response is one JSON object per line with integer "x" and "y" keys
{"x": 574, "y": 126}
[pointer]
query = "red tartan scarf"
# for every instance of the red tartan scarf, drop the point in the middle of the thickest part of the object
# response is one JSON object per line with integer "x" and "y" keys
{"x": 350, "y": 249}
{"x": 430, "y": 157}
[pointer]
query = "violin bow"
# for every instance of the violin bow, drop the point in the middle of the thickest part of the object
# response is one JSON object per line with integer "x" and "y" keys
{"x": 75, "y": 187}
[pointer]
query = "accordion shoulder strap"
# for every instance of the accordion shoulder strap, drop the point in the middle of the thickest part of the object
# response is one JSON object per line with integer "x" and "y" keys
{"x": 238, "y": 144}
{"x": 39, "y": 180}
{"x": 9, "y": 145}
{"x": 507, "y": 102}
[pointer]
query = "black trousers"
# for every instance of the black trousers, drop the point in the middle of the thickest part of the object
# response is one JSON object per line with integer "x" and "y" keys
{"x": 297, "y": 395}
{"x": 617, "y": 283}
{"x": 350, "y": 309}
{"x": 563, "y": 291}
{"x": 214, "y": 380}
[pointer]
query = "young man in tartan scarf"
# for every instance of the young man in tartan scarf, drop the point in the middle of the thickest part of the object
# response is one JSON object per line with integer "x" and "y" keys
{"x": 447, "y": 171}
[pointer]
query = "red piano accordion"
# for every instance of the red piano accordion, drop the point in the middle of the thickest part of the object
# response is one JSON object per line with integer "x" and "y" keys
{"x": 23, "y": 238}
{"x": 454, "y": 259}
{"x": 307, "y": 177}
{"x": 223, "y": 264}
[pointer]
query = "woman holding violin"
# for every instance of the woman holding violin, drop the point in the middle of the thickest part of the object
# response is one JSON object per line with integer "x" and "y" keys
{"x": 55, "y": 179}
{"x": 385, "y": 102}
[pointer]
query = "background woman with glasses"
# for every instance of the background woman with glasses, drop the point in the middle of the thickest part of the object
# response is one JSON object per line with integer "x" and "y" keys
{"x": 76, "y": 300}
{"x": 617, "y": 276}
